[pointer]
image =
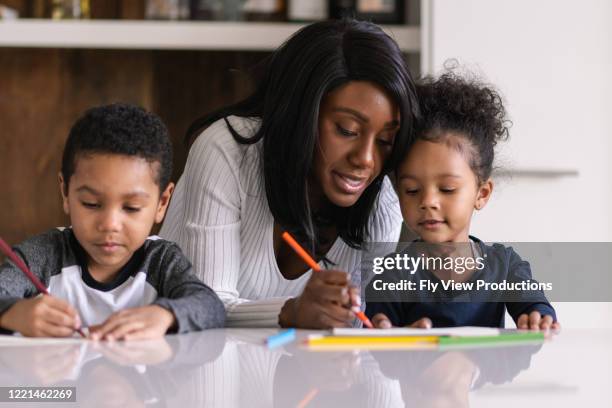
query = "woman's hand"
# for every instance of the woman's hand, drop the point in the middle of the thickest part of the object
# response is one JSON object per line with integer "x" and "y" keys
{"x": 323, "y": 304}
{"x": 381, "y": 321}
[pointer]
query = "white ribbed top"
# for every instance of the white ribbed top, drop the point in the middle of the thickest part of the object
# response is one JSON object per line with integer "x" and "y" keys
{"x": 219, "y": 216}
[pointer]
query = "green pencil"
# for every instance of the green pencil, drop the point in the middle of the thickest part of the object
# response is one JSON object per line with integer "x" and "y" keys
{"x": 506, "y": 338}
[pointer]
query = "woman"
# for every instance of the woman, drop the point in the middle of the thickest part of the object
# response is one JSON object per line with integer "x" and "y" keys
{"x": 307, "y": 152}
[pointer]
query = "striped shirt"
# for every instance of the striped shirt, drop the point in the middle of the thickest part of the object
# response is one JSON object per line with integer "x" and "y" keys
{"x": 219, "y": 216}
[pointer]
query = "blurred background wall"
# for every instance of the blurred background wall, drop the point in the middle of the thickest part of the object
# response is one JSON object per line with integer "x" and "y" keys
{"x": 551, "y": 59}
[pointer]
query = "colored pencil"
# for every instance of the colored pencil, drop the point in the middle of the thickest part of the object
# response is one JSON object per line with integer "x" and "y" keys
{"x": 330, "y": 343}
{"x": 280, "y": 338}
{"x": 28, "y": 273}
{"x": 315, "y": 267}
{"x": 505, "y": 338}
{"x": 373, "y": 342}
{"x": 361, "y": 340}
{"x": 307, "y": 398}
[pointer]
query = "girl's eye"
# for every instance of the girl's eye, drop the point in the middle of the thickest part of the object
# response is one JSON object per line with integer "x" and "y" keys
{"x": 447, "y": 190}
{"x": 90, "y": 205}
{"x": 345, "y": 132}
{"x": 411, "y": 191}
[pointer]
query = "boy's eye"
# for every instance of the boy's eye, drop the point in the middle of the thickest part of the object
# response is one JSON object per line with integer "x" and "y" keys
{"x": 131, "y": 209}
{"x": 345, "y": 132}
{"x": 90, "y": 205}
{"x": 411, "y": 191}
{"x": 447, "y": 190}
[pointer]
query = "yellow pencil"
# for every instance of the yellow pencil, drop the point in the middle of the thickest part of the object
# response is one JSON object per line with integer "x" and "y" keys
{"x": 372, "y": 342}
{"x": 372, "y": 339}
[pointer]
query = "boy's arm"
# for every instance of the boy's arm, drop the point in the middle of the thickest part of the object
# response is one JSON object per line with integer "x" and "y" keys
{"x": 195, "y": 306}
{"x": 14, "y": 285}
{"x": 526, "y": 302}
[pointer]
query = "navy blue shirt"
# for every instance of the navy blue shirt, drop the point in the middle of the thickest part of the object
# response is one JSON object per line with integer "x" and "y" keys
{"x": 501, "y": 264}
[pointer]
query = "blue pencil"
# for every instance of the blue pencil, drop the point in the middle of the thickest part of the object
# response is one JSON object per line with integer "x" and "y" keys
{"x": 278, "y": 339}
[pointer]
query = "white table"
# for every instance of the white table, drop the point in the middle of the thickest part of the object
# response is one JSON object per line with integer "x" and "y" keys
{"x": 233, "y": 368}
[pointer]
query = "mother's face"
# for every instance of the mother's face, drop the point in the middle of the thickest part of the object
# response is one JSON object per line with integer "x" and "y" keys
{"x": 357, "y": 126}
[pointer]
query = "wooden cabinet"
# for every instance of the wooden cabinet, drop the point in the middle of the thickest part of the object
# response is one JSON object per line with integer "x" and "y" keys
{"x": 51, "y": 71}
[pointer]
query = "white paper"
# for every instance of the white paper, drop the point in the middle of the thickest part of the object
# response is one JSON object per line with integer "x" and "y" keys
{"x": 465, "y": 331}
{"x": 17, "y": 340}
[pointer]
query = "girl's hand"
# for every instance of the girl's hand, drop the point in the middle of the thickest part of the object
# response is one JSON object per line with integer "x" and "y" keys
{"x": 41, "y": 316}
{"x": 140, "y": 323}
{"x": 381, "y": 321}
{"x": 322, "y": 304}
{"x": 535, "y": 321}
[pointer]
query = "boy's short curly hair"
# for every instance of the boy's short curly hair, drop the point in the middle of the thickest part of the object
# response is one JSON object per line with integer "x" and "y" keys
{"x": 120, "y": 129}
{"x": 470, "y": 109}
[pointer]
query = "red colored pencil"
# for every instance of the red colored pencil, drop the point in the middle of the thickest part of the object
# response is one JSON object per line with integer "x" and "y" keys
{"x": 315, "y": 267}
{"x": 28, "y": 273}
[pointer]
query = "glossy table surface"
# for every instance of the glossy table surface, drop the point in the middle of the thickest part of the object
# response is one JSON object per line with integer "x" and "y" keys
{"x": 234, "y": 368}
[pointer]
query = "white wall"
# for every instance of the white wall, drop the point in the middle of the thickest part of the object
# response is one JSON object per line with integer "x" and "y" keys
{"x": 552, "y": 60}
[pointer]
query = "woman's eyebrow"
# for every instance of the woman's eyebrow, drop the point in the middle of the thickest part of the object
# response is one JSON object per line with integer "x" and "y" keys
{"x": 360, "y": 116}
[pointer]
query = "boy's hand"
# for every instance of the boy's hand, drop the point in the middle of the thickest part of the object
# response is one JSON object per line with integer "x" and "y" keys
{"x": 381, "y": 321}
{"x": 535, "y": 321}
{"x": 147, "y": 322}
{"x": 41, "y": 316}
{"x": 147, "y": 352}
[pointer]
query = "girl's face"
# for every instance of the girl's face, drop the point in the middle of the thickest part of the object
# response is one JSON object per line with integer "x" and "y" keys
{"x": 438, "y": 191}
{"x": 357, "y": 126}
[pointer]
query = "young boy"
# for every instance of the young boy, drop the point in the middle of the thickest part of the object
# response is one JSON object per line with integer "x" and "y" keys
{"x": 443, "y": 179}
{"x": 104, "y": 272}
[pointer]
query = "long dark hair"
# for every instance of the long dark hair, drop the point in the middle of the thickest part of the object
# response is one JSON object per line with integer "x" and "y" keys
{"x": 314, "y": 61}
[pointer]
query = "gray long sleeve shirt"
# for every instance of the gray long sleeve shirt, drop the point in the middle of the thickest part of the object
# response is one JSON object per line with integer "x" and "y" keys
{"x": 158, "y": 273}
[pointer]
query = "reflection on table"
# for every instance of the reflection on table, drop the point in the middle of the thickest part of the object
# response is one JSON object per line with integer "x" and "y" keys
{"x": 234, "y": 368}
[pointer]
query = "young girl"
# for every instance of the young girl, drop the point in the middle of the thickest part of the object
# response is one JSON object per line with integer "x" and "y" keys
{"x": 445, "y": 176}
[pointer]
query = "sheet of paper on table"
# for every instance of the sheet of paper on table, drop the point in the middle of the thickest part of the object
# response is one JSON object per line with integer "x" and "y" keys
{"x": 466, "y": 331}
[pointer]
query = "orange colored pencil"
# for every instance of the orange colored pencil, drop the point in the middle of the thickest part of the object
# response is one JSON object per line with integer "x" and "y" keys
{"x": 315, "y": 267}
{"x": 309, "y": 397}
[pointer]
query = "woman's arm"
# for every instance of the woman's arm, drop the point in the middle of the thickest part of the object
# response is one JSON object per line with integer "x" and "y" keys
{"x": 204, "y": 219}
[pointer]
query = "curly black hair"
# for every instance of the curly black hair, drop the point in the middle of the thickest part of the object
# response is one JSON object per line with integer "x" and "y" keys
{"x": 119, "y": 129}
{"x": 467, "y": 108}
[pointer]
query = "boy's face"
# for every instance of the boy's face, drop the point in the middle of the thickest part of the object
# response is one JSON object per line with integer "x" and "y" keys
{"x": 113, "y": 202}
{"x": 438, "y": 191}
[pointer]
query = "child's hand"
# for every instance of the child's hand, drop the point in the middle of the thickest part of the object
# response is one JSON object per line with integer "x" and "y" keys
{"x": 48, "y": 365}
{"x": 535, "y": 321}
{"x": 140, "y": 323}
{"x": 147, "y": 352}
{"x": 41, "y": 316}
{"x": 381, "y": 321}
